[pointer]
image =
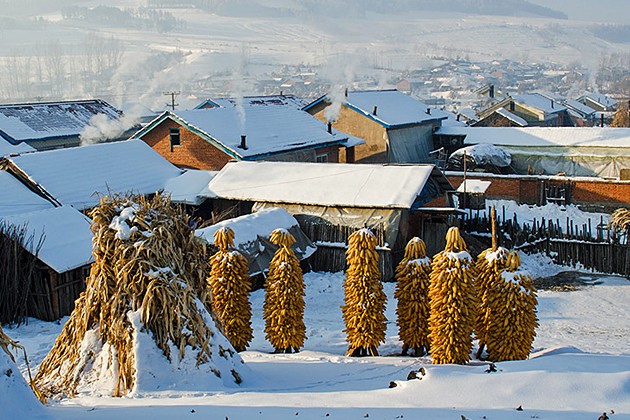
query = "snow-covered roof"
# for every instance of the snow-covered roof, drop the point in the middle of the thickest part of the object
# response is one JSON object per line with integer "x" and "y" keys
{"x": 473, "y": 186}
{"x": 16, "y": 198}
{"x": 512, "y": 117}
{"x": 67, "y": 236}
{"x": 290, "y": 101}
{"x": 75, "y": 176}
{"x": 268, "y": 129}
{"x": 600, "y": 98}
{"x": 580, "y": 107}
{"x": 247, "y": 228}
{"x": 40, "y": 121}
{"x": 541, "y": 102}
{"x": 322, "y": 184}
{"x": 191, "y": 187}
{"x": 7, "y": 148}
{"x": 542, "y": 136}
{"x": 393, "y": 108}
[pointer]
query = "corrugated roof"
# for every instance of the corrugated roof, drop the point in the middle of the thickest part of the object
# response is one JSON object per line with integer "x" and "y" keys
{"x": 67, "y": 236}
{"x": 39, "y": 121}
{"x": 268, "y": 130}
{"x": 76, "y": 175}
{"x": 542, "y": 136}
{"x": 16, "y": 198}
{"x": 329, "y": 184}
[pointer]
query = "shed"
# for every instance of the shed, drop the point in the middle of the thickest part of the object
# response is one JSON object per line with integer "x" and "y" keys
{"x": 330, "y": 201}
{"x": 472, "y": 194}
{"x": 58, "y": 252}
{"x": 583, "y": 151}
{"x": 251, "y": 237}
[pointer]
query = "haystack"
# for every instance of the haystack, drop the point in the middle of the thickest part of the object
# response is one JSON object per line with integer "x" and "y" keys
{"x": 143, "y": 322}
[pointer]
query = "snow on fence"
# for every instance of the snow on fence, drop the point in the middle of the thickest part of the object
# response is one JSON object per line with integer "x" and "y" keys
{"x": 592, "y": 245}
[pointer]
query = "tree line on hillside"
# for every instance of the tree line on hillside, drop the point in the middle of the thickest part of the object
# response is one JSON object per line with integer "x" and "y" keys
{"x": 141, "y": 17}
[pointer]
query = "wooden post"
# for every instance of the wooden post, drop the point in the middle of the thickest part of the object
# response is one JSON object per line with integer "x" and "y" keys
{"x": 494, "y": 229}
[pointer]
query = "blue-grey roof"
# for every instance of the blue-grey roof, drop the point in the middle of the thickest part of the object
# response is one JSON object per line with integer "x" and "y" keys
{"x": 50, "y": 120}
{"x": 290, "y": 101}
{"x": 393, "y": 108}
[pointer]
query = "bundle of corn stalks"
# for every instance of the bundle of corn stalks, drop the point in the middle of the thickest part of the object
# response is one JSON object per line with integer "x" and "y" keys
{"x": 284, "y": 297}
{"x": 229, "y": 284}
{"x": 147, "y": 285}
{"x": 620, "y": 219}
{"x": 489, "y": 266}
{"x": 412, "y": 292}
{"x": 511, "y": 317}
{"x": 364, "y": 300}
{"x": 453, "y": 302}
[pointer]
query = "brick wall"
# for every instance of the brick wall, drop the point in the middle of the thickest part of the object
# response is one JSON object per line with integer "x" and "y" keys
{"x": 529, "y": 189}
{"x": 193, "y": 152}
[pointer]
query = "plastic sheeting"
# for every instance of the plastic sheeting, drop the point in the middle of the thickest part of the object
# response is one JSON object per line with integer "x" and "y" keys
{"x": 389, "y": 219}
{"x": 410, "y": 145}
{"x": 599, "y": 162}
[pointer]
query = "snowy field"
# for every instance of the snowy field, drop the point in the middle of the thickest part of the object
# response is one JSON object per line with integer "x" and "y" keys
{"x": 580, "y": 367}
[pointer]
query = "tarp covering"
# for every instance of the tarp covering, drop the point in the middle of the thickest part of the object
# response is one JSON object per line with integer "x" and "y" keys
{"x": 251, "y": 236}
{"x": 344, "y": 216}
{"x": 410, "y": 145}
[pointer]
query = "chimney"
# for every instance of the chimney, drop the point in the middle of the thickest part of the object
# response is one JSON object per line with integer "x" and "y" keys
{"x": 458, "y": 115}
{"x": 374, "y": 110}
{"x": 345, "y": 92}
{"x": 281, "y": 93}
{"x": 429, "y": 111}
{"x": 491, "y": 91}
{"x": 329, "y": 127}
{"x": 602, "y": 115}
{"x": 243, "y": 143}
{"x": 552, "y": 103}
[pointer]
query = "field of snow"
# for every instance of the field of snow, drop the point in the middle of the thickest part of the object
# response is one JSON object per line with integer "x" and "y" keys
{"x": 579, "y": 368}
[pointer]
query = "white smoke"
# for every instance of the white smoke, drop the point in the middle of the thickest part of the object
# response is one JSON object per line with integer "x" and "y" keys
{"x": 102, "y": 128}
{"x": 341, "y": 72}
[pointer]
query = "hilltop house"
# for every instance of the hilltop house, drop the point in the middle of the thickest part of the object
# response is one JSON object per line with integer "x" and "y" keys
{"x": 330, "y": 201}
{"x": 396, "y": 127}
{"x": 209, "y": 138}
{"x": 535, "y": 109}
{"x": 599, "y": 102}
{"x": 54, "y": 125}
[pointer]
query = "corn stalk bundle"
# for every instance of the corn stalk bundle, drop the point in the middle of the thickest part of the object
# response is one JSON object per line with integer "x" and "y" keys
{"x": 412, "y": 292}
{"x": 148, "y": 277}
{"x": 512, "y": 322}
{"x": 229, "y": 285}
{"x": 453, "y": 302}
{"x": 620, "y": 219}
{"x": 284, "y": 297}
{"x": 489, "y": 266}
{"x": 364, "y": 300}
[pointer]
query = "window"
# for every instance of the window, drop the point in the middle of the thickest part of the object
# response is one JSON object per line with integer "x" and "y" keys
{"x": 175, "y": 137}
{"x": 321, "y": 158}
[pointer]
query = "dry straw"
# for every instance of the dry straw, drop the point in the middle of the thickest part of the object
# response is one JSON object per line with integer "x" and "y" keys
{"x": 147, "y": 259}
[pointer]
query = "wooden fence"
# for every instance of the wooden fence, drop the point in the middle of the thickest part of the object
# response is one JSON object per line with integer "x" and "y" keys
{"x": 591, "y": 245}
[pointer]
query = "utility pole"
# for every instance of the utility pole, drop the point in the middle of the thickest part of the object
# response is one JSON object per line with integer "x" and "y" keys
{"x": 172, "y": 94}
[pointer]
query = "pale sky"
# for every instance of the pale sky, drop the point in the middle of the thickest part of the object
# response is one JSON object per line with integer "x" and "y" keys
{"x": 613, "y": 11}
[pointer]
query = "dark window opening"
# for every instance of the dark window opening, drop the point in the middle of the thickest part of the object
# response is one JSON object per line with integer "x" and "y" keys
{"x": 175, "y": 137}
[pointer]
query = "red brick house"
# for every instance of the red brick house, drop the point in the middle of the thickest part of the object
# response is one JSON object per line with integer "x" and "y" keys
{"x": 209, "y": 138}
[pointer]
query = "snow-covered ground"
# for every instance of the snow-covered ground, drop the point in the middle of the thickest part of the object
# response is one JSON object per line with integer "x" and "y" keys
{"x": 580, "y": 367}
